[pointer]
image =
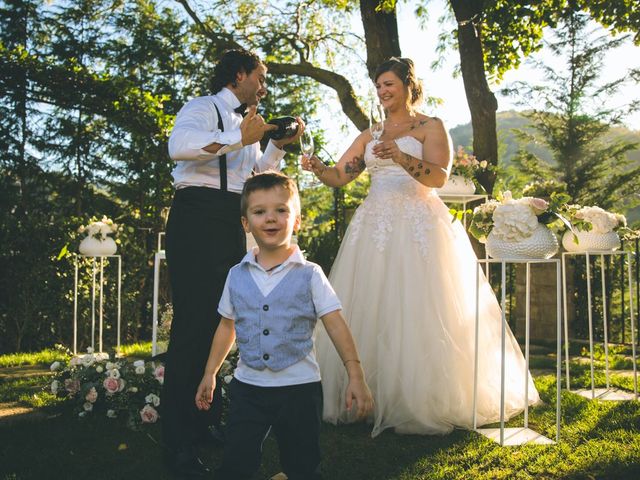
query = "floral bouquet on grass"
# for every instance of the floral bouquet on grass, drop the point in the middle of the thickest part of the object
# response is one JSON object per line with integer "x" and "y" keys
{"x": 515, "y": 219}
{"x": 115, "y": 389}
{"x": 467, "y": 165}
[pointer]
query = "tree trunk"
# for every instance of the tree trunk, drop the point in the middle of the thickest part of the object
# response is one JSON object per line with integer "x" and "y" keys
{"x": 380, "y": 34}
{"x": 482, "y": 103}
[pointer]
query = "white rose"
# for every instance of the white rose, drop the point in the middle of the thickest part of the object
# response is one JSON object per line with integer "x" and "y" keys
{"x": 114, "y": 373}
{"x": 88, "y": 360}
{"x": 152, "y": 399}
{"x": 88, "y": 406}
{"x": 55, "y": 385}
{"x": 138, "y": 363}
{"x": 89, "y": 349}
{"x": 133, "y": 389}
{"x": 99, "y": 369}
{"x": 139, "y": 370}
{"x": 111, "y": 414}
{"x": 110, "y": 366}
{"x": 54, "y": 366}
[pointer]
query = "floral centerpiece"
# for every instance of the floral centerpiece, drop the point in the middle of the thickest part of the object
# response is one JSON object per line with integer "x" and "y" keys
{"x": 518, "y": 228}
{"x": 464, "y": 169}
{"x": 595, "y": 229}
{"x": 98, "y": 240}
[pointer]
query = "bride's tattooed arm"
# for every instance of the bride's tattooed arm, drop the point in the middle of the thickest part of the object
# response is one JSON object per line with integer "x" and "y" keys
{"x": 354, "y": 167}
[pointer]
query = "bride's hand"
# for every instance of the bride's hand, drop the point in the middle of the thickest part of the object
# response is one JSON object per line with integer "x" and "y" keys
{"x": 312, "y": 164}
{"x": 387, "y": 149}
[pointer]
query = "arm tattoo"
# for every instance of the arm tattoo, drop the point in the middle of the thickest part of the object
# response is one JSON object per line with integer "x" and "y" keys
{"x": 409, "y": 164}
{"x": 355, "y": 167}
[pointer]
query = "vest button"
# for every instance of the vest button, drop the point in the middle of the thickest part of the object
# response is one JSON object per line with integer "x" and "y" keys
{"x": 265, "y": 331}
{"x": 265, "y": 308}
{"x": 265, "y": 356}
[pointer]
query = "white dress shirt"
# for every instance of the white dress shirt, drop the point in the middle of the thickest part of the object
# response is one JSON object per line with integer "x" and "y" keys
{"x": 196, "y": 127}
{"x": 325, "y": 301}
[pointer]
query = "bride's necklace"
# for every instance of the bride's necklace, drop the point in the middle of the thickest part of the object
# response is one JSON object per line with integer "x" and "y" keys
{"x": 403, "y": 122}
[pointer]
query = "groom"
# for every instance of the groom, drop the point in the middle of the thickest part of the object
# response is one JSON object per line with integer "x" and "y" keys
{"x": 216, "y": 148}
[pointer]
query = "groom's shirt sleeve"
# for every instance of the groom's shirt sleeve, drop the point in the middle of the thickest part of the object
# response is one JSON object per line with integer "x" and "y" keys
{"x": 324, "y": 297}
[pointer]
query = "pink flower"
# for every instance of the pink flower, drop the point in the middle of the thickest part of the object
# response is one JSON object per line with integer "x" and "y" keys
{"x": 72, "y": 385}
{"x": 539, "y": 205}
{"x": 159, "y": 374}
{"x": 149, "y": 414}
{"x": 113, "y": 385}
{"x": 92, "y": 395}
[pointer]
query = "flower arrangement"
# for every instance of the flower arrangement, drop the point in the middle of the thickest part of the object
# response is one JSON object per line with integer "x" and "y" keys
{"x": 595, "y": 219}
{"x": 115, "y": 389}
{"x": 119, "y": 388}
{"x": 467, "y": 165}
{"x": 100, "y": 229}
{"x": 515, "y": 219}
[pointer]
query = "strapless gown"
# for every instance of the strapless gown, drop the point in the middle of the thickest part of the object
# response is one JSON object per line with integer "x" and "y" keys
{"x": 405, "y": 274}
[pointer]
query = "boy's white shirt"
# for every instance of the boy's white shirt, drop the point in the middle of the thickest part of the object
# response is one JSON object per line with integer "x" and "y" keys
{"x": 325, "y": 301}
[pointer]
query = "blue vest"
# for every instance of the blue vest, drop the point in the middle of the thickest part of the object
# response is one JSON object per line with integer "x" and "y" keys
{"x": 274, "y": 331}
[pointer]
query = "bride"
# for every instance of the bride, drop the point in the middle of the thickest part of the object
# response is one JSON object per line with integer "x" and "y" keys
{"x": 405, "y": 274}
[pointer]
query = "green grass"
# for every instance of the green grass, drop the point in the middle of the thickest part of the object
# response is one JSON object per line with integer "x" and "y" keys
{"x": 599, "y": 440}
{"x": 140, "y": 350}
{"x": 45, "y": 357}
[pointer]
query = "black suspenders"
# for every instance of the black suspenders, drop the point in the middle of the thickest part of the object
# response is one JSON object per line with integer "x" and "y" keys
{"x": 223, "y": 158}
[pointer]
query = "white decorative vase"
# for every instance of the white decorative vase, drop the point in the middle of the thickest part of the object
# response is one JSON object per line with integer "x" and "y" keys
{"x": 98, "y": 248}
{"x": 591, "y": 242}
{"x": 457, "y": 185}
{"x": 542, "y": 243}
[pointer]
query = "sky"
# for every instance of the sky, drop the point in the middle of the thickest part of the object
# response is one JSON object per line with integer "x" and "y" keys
{"x": 419, "y": 45}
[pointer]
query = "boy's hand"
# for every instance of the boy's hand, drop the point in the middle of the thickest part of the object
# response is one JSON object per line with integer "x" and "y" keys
{"x": 358, "y": 390}
{"x": 204, "y": 394}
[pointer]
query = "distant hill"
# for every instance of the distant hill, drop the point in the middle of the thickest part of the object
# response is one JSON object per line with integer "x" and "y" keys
{"x": 509, "y": 144}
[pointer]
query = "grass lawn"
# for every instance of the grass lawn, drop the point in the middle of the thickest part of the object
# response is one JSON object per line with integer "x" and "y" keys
{"x": 599, "y": 440}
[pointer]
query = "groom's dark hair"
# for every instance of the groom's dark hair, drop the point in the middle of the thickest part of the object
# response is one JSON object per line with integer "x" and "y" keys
{"x": 230, "y": 64}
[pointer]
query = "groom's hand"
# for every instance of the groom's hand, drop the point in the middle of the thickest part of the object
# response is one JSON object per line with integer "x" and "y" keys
{"x": 295, "y": 138}
{"x": 253, "y": 127}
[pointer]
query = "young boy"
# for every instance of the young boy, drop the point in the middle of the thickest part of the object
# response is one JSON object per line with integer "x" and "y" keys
{"x": 270, "y": 305}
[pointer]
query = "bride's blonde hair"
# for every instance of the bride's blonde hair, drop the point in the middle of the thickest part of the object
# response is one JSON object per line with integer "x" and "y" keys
{"x": 403, "y": 67}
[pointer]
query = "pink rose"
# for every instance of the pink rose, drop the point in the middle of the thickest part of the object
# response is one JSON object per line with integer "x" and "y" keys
{"x": 539, "y": 205}
{"x": 113, "y": 385}
{"x": 159, "y": 374}
{"x": 72, "y": 385}
{"x": 92, "y": 395}
{"x": 149, "y": 414}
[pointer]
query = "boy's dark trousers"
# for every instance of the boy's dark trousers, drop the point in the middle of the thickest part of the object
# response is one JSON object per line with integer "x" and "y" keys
{"x": 204, "y": 240}
{"x": 294, "y": 413}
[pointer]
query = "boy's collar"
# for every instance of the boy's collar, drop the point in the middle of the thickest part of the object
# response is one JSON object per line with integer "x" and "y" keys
{"x": 295, "y": 257}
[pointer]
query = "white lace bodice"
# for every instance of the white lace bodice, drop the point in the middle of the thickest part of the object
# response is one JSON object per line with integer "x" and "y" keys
{"x": 394, "y": 192}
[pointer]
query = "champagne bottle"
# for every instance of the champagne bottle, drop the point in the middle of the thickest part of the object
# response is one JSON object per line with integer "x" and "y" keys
{"x": 287, "y": 127}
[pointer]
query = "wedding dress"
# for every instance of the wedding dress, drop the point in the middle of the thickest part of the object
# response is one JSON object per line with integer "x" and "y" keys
{"x": 405, "y": 274}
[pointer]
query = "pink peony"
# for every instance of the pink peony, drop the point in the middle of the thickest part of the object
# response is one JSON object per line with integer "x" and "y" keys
{"x": 113, "y": 385}
{"x": 72, "y": 385}
{"x": 159, "y": 374}
{"x": 149, "y": 414}
{"x": 539, "y": 205}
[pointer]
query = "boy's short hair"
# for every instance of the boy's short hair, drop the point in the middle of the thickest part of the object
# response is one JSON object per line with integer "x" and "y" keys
{"x": 267, "y": 181}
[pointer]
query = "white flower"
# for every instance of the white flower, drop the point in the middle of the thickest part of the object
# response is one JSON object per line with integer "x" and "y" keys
{"x": 514, "y": 221}
{"x": 74, "y": 362}
{"x": 87, "y": 360}
{"x": 114, "y": 373}
{"x": 110, "y": 365}
{"x": 99, "y": 369}
{"x": 89, "y": 349}
{"x": 152, "y": 399}
{"x": 111, "y": 414}
{"x": 101, "y": 356}
{"x": 138, "y": 363}
{"x": 88, "y": 406}
{"x": 228, "y": 378}
{"x": 54, "y": 366}
{"x": 55, "y": 385}
{"x": 133, "y": 389}
{"x": 148, "y": 414}
{"x": 600, "y": 220}
{"x": 82, "y": 414}
{"x": 140, "y": 370}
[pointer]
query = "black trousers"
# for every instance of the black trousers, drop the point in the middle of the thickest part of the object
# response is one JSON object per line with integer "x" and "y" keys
{"x": 294, "y": 413}
{"x": 204, "y": 239}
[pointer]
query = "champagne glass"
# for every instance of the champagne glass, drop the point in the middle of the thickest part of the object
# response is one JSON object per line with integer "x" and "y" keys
{"x": 307, "y": 147}
{"x": 376, "y": 122}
